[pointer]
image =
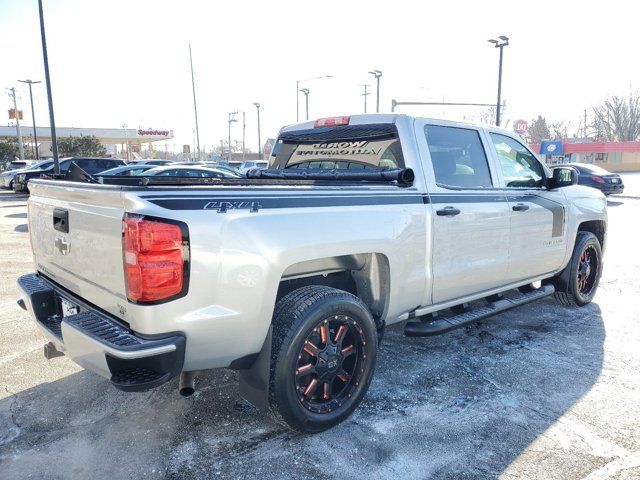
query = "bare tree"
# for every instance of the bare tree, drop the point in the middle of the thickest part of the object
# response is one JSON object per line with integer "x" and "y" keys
{"x": 618, "y": 119}
{"x": 558, "y": 130}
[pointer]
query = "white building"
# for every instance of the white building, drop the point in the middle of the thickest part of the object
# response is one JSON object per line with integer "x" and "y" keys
{"x": 126, "y": 141}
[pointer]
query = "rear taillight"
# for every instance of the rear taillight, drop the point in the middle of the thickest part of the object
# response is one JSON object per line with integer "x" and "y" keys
{"x": 156, "y": 259}
{"x": 597, "y": 179}
{"x": 331, "y": 122}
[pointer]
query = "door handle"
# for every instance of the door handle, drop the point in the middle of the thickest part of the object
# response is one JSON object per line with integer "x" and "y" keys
{"x": 448, "y": 212}
{"x": 520, "y": 207}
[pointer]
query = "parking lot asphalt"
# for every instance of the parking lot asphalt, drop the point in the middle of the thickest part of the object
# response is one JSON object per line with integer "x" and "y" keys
{"x": 540, "y": 392}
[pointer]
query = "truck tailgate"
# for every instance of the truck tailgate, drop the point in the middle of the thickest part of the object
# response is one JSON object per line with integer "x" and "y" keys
{"x": 76, "y": 235}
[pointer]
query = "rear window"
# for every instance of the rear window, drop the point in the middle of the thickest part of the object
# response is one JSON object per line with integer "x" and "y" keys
{"x": 593, "y": 169}
{"x": 343, "y": 147}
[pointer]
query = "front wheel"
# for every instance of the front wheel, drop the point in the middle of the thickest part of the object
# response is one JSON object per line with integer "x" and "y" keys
{"x": 322, "y": 358}
{"x": 582, "y": 275}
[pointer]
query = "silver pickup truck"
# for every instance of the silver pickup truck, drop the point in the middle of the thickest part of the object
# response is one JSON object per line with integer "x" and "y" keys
{"x": 291, "y": 274}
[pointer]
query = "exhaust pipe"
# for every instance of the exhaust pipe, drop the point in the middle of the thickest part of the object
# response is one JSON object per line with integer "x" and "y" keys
{"x": 187, "y": 385}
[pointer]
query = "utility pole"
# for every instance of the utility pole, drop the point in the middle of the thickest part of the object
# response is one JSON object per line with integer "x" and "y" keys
{"x": 12, "y": 94}
{"x": 52, "y": 121}
{"x": 365, "y": 96}
{"x": 499, "y": 44}
{"x": 244, "y": 130}
{"x": 231, "y": 120}
{"x": 259, "y": 141}
{"x": 33, "y": 115}
{"x": 377, "y": 74}
{"x": 585, "y": 123}
{"x": 195, "y": 107}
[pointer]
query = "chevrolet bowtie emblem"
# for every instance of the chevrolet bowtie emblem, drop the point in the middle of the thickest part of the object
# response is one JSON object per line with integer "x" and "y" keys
{"x": 62, "y": 245}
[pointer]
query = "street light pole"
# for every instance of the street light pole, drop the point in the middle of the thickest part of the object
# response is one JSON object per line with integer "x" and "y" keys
{"x": 298, "y": 93}
{"x": 33, "y": 115}
{"x": 195, "y": 107}
{"x": 306, "y": 100}
{"x": 259, "y": 141}
{"x": 231, "y": 120}
{"x": 244, "y": 131}
{"x": 501, "y": 43}
{"x": 18, "y": 131}
{"x": 52, "y": 121}
{"x": 377, "y": 74}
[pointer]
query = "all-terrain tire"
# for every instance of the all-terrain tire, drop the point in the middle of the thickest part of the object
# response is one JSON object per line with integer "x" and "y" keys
{"x": 571, "y": 292}
{"x": 307, "y": 324}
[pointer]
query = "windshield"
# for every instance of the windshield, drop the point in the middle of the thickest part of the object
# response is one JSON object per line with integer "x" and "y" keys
{"x": 41, "y": 165}
{"x": 343, "y": 147}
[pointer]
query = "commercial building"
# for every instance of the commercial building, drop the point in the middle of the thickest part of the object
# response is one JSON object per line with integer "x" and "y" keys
{"x": 124, "y": 142}
{"x": 612, "y": 156}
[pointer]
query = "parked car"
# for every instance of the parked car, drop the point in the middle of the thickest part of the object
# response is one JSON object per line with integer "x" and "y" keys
{"x": 597, "y": 177}
{"x": 190, "y": 171}
{"x": 88, "y": 164}
{"x": 128, "y": 170}
{"x": 6, "y": 177}
{"x": 250, "y": 165}
{"x": 17, "y": 165}
{"x": 156, "y": 163}
{"x": 293, "y": 282}
{"x": 233, "y": 164}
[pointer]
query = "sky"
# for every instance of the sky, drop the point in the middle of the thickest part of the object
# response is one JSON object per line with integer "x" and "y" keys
{"x": 127, "y": 62}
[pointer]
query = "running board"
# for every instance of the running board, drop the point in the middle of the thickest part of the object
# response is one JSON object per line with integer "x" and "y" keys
{"x": 443, "y": 325}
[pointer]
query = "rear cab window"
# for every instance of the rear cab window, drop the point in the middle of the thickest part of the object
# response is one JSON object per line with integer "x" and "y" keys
{"x": 345, "y": 147}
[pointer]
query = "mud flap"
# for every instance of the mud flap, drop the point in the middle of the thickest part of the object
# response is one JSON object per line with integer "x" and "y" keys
{"x": 254, "y": 381}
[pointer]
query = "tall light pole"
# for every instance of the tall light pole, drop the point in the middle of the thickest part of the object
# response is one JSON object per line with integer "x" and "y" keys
{"x": 365, "y": 94}
{"x": 195, "y": 107}
{"x": 47, "y": 78}
{"x": 244, "y": 131}
{"x": 231, "y": 120}
{"x": 306, "y": 100}
{"x": 12, "y": 94}
{"x": 377, "y": 74}
{"x": 501, "y": 43}
{"x": 259, "y": 141}
{"x": 298, "y": 92}
{"x": 33, "y": 115}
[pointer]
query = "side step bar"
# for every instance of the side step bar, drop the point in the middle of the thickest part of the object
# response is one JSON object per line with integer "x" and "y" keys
{"x": 443, "y": 325}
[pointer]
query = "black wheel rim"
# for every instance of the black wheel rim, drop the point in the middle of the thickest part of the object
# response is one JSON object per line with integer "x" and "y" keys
{"x": 587, "y": 270}
{"x": 330, "y": 365}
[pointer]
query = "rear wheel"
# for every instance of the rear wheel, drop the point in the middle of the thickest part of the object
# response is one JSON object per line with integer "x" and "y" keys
{"x": 323, "y": 357}
{"x": 583, "y": 276}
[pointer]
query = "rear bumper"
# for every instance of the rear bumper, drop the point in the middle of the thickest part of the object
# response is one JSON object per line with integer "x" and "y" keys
{"x": 613, "y": 188}
{"x": 98, "y": 342}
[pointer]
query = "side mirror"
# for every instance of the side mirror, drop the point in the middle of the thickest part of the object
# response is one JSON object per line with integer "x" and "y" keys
{"x": 563, "y": 177}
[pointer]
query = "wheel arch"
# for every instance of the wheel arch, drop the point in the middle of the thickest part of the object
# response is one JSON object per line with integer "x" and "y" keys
{"x": 597, "y": 227}
{"x": 365, "y": 275}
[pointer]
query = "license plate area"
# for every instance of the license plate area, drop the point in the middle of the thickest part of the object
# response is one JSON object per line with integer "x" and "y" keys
{"x": 614, "y": 180}
{"x": 68, "y": 308}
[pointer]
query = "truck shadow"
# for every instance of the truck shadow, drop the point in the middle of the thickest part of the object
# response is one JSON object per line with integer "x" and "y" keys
{"x": 465, "y": 404}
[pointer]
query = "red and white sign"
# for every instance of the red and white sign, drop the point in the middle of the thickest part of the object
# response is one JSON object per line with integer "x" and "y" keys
{"x": 520, "y": 126}
{"x": 153, "y": 133}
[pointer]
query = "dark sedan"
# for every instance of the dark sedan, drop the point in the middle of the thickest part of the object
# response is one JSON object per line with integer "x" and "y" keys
{"x": 88, "y": 164}
{"x": 597, "y": 177}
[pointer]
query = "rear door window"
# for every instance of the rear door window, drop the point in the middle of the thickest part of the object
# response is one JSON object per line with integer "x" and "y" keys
{"x": 341, "y": 147}
{"x": 458, "y": 157}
